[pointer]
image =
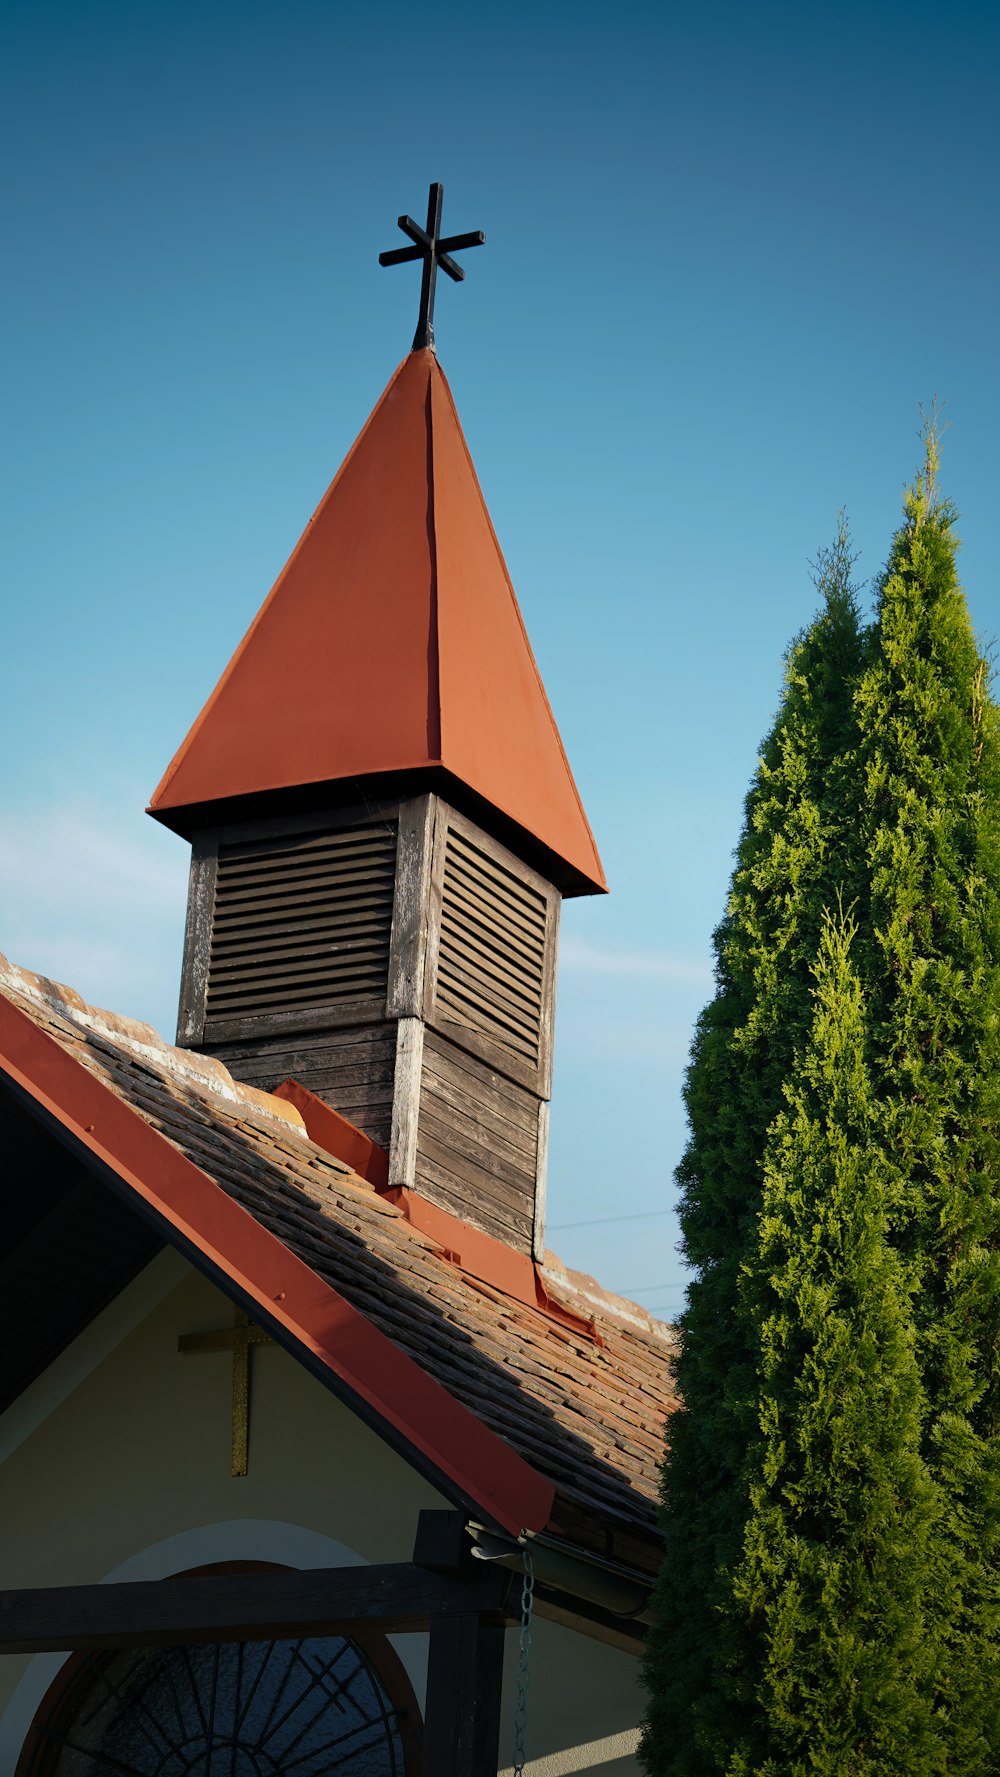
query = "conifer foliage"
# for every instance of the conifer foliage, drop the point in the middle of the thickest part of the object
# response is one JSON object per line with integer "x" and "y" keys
{"x": 829, "y": 1598}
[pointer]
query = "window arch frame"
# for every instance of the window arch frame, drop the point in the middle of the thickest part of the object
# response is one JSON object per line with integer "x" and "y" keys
{"x": 64, "y": 1696}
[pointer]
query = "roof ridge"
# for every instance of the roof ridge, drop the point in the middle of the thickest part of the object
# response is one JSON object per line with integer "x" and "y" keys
{"x": 570, "y": 1288}
{"x": 574, "y": 1291}
{"x": 145, "y": 1042}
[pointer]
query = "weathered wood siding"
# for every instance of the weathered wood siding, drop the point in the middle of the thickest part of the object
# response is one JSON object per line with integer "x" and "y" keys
{"x": 300, "y": 922}
{"x": 493, "y": 927}
{"x": 492, "y": 958}
{"x": 477, "y": 1142}
{"x": 287, "y": 957}
{"x": 400, "y": 963}
{"x": 351, "y": 1069}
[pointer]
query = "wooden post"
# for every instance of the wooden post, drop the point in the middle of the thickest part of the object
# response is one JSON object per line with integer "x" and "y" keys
{"x": 462, "y": 1713}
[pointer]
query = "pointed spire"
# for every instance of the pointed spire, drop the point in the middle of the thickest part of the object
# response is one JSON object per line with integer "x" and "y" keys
{"x": 392, "y": 642}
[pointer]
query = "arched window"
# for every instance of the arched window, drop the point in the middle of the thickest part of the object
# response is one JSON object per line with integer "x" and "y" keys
{"x": 330, "y": 1707}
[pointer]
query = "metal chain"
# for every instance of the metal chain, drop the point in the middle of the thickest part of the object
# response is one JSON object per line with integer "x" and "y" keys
{"x": 524, "y": 1656}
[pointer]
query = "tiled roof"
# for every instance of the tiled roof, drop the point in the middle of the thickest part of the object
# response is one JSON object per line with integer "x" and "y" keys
{"x": 586, "y": 1412}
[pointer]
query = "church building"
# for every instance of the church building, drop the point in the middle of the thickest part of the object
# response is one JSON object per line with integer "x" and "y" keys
{"x": 314, "y": 1460}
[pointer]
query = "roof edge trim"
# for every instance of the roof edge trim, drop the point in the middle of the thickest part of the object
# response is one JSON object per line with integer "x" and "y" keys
{"x": 599, "y": 880}
{"x": 414, "y": 1414}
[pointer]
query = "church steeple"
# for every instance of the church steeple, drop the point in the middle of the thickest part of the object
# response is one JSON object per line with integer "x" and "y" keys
{"x": 392, "y": 643}
{"x": 383, "y": 822}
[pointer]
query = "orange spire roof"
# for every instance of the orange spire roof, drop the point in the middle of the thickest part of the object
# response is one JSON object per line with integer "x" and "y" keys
{"x": 392, "y": 641}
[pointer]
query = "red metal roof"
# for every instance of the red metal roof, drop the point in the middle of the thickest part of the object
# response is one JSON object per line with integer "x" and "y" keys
{"x": 392, "y": 641}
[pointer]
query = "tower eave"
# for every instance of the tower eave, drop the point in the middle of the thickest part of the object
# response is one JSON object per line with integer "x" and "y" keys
{"x": 574, "y": 877}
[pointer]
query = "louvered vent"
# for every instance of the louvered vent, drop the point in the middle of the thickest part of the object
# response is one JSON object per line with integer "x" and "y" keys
{"x": 492, "y": 956}
{"x": 301, "y": 922}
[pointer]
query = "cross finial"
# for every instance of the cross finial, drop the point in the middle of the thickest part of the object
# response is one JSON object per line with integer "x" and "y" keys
{"x": 434, "y": 252}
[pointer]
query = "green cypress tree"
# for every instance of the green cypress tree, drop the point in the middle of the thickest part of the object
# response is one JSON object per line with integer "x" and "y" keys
{"x": 830, "y": 1663}
{"x": 791, "y": 863}
{"x": 930, "y": 750}
{"x": 830, "y": 1599}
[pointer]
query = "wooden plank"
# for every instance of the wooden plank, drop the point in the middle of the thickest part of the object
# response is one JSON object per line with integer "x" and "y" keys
{"x": 463, "y": 1703}
{"x": 352, "y": 1070}
{"x": 464, "y": 1014}
{"x": 541, "y": 1179}
{"x": 233, "y": 901}
{"x": 411, "y": 908}
{"x": 511, "y": 861}
{"x": 406, "y": 1101}
{"x": 504, "y": 866}
{"x": 465, "y": 1097}
{"x": 354, "y": 1067}
{"x": 451, "y": 1195}
{"x": 515, "y": 866}
{"x": 319, "y": 821}
{"x": 270, "y": 869}
{"x": 497, "y": 1137}
{"x": 509, "y": 954}
{"x": 197, "y": 937}
{"x": 546, "y": 1033}
{"x": 344, "y": 956}
{"x": 516, "y": 986}
{"x": 249, "y": 1001}
{"x": 332, "y": 966}
{"x": 462, "y": 976}
{"x": 282, "y": 1603}
{"x": 260, "y": 938}
{"x": 454, "y": 1021}
{"x": 492, "y": 1036}
{"x": 438, "y": 1165}
{"x": 455, "y": 1102}
{"x": 347, "y": 1089}
{"x": 479, "y": 899}
{"x": 284, "y": 856}
{"x": 435, "y": 903}
{"x": 315, "y": 911}
{"x": 500, "y": 1058}
{"x": 370, "y": 1009}
{"x": 295, "y": 956}
{"x": 349, "y": 1047}
{"x": 463, "y": 1144}
{"x": 484, "y": 1079}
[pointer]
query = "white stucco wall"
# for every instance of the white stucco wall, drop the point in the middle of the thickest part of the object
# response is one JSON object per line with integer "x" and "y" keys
{"x": 116, "y": 1465}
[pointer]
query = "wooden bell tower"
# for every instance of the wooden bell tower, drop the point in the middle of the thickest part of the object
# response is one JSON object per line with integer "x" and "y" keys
{"x": 383, "y": 824}
{"x": 400, "y": 963}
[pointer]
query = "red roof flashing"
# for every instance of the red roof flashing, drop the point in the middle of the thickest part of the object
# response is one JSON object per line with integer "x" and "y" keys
{"x": 478, "y": 1254}
{"x": 443, "y": 1438}
{"x": 338, "y": 1135}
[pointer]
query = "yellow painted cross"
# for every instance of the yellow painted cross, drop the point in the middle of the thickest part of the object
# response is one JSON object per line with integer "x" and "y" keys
{"x": 238, "y": 1339}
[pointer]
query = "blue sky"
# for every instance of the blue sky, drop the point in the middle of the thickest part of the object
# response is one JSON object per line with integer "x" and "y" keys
{"x": 730, "y": 250}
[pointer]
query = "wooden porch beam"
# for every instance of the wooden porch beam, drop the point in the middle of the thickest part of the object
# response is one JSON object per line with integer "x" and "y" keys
{"x": 464, "y": 1684}
{"x": 269, "y": 1606}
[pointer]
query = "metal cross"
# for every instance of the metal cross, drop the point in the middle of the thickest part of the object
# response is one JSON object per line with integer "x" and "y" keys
{"x": 434, "y": 252}
{"x": 238, "y": 1339}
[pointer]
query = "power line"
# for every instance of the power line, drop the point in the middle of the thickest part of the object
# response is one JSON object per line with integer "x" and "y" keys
{"x": 643, "y": 1215}
{"x": 646, "y": 1289}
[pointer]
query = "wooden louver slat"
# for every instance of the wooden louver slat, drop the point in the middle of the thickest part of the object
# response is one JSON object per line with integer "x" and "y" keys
{"x": 301, "y": 922}
{"x": 492, "y": 950}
